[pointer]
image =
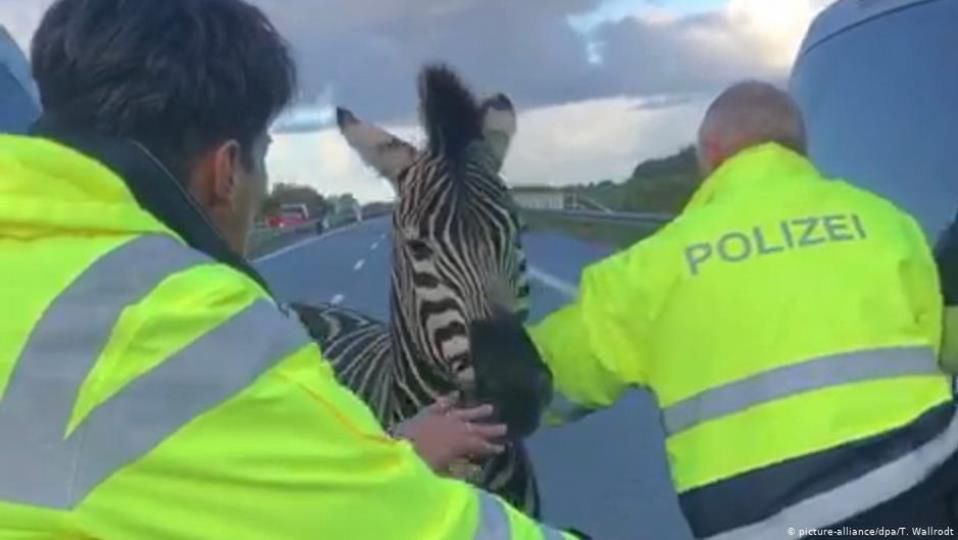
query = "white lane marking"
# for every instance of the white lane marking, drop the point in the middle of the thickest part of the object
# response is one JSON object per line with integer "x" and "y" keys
{"x": 375, "y": 246}
{"x": 359, "y": 265}
{"x": 561, "y": 286}
{"x": 338, "y": 299}
{"x": 306, "y": 242}
{"x": 287, "y": 249}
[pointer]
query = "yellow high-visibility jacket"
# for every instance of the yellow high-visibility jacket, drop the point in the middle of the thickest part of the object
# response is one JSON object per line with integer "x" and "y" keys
{"x": 150, "y": 392}
{"x": 788, "y": 326}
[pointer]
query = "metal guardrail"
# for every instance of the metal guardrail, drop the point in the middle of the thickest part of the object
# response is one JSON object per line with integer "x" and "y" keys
{"x": 592, "y": 216}
{"x": 619, "y": 230}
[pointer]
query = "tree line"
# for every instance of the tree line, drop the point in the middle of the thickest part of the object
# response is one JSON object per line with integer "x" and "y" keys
{"x": 661, "y": 185}
{"x": 318, "y": 205}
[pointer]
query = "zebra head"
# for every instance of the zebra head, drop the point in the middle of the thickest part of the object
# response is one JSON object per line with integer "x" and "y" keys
{"x": 457, "y": 254}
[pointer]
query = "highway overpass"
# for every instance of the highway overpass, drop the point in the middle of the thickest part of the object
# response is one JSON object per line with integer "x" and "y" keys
{"x": 606, "y": 474}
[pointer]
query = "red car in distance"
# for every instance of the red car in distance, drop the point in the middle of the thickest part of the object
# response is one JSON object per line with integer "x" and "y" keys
{"x": 290, "y": 215}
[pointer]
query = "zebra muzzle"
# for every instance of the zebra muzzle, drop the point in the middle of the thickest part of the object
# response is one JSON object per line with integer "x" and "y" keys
{"x": 510, "y": 374}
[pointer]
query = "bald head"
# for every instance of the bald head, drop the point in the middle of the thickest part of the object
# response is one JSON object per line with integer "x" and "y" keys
{"x": 748, "y": 114}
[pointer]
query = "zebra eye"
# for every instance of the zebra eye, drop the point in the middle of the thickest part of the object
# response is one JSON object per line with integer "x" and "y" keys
{"x": 420, "y": 249}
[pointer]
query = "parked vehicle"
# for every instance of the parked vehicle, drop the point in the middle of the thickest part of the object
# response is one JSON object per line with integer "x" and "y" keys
{"x": 879, "y": 91}
{"x": 19, "y": 103}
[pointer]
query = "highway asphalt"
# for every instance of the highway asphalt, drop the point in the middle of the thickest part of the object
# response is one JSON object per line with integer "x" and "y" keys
{"x": 606, "y": 474}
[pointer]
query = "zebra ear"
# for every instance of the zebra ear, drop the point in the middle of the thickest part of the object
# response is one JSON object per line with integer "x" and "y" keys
{"x": 498, "y": 125}
{"x": 379, "y": 149}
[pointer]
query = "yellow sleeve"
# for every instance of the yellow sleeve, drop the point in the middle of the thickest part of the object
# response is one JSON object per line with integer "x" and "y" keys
{"x": 922, "y": 284}
{"x": 949, "y": 345}
{"x": 594, "y": 345}
{"x": 947, "y": 262}
{"x": 293, "y": 455}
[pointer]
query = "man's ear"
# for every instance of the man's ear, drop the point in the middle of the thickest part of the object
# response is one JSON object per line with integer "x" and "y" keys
{"x": 498, "y": 125}
{"x": 227, "y": 162}
{"x": 213, "y": 175}
{"x": 710, "y": 155}
{"x": 382, "y": 151}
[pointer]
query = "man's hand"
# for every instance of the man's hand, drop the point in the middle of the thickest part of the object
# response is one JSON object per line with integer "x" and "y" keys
{"x": 443, "y": 435}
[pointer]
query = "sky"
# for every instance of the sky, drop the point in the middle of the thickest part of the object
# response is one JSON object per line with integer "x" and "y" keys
{"x": 600, "y": 85}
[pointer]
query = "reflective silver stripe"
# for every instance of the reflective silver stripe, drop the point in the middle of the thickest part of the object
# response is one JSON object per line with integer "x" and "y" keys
{"x": 566, "y": 409}
{"x": 494, "y": 521}
{"x": 38, "y": 466}
{"x": 74, "y": 329}
{"x": 856, "y": 496}
{"x": 794, "y": 379}
{"x": 209, "y": 371}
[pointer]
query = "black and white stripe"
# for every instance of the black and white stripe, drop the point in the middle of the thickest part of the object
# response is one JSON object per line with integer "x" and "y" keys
{"x": 456, "y": 256}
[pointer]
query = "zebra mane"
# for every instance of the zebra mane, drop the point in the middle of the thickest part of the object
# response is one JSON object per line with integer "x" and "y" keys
{"x": 451, "y": 114}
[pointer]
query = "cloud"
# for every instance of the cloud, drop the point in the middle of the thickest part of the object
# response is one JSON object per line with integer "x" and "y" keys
{"x": 665, "y": 101}
{"x": 580, "y": 142}
{"x": 365, "y": 54}
{"x": 775, "y": 28}
{"x": 597, "y": 139}
{"x": 659, "y": 69}
{"x": 369, "y": 56}
{"x": 540, "y": 53}
{"x": 322, "y": 159}
{"x": 532, "y": 51}
{"x": 593, "y": 99}
{"x": 21, "y": 18}
{"x": 656, "y": 51}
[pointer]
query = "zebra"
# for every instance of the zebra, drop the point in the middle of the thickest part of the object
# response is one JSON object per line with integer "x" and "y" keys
{"x": 457, "y": 259}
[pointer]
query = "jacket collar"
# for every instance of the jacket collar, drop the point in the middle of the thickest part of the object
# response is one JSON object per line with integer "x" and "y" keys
{"x": 750, "y": 169}
{"x": 153, "y": 187}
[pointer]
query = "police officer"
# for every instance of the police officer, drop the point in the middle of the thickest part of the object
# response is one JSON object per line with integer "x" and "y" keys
{"x": 788, "y": 325}
{"x": 150, "y": 388}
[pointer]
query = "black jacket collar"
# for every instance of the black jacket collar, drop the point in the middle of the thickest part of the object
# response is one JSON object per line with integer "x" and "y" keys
{"x": 153, "y": 186}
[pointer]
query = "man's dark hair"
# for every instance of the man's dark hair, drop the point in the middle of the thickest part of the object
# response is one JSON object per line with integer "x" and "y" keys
{"x": 178, "y": 76}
